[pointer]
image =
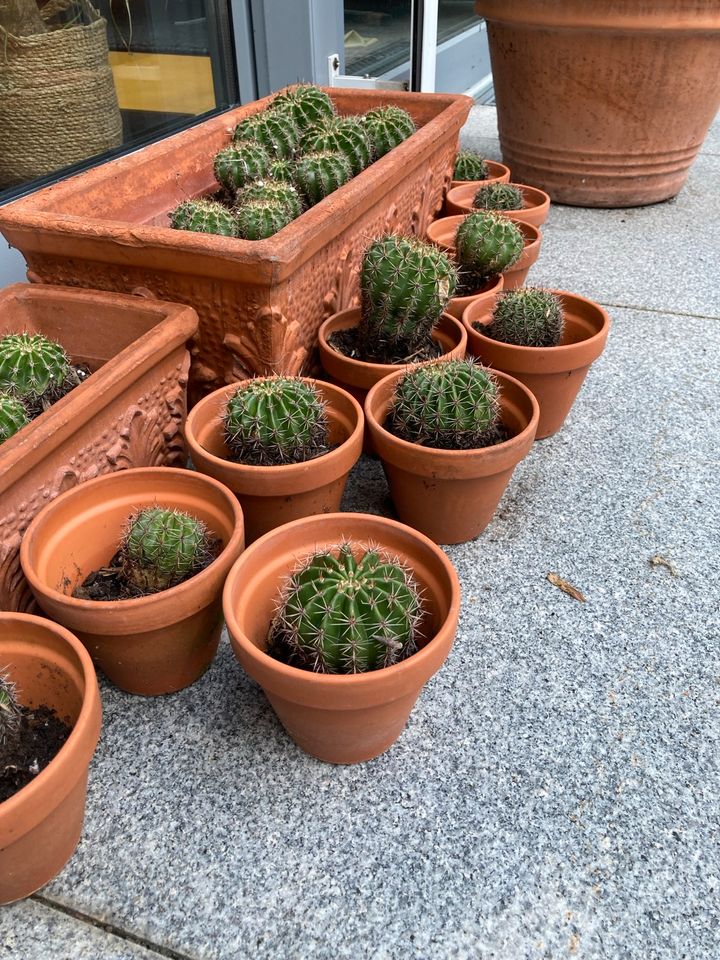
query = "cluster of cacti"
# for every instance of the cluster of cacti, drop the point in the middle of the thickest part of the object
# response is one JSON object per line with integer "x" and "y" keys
{"x": 34, "y": 369}
{"x": 204, "y": 216}
{"x": 527, "y": 317}
{"x": 450, "y": 405}
{"x": 470, "y": 166}
{"x": 486, "y": 243}
{"x": 278, "y": 133}
{"x": 10, "y": 711}
{"x": 405, "y": 285}
{"x": 345, "y": 135}
{"x": 348, "y": 609}
{"x": 498, "y": 196}
{"x": 276, "y": 420}
{"x": 161, "y": 548}
{"x": 319, "y": 174}
{"x": 258, "y": 219}
{"x": 13, "y": 416}
{"x": 387, "y": 127}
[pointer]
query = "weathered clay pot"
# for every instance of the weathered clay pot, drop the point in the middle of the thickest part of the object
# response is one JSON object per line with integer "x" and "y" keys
{"x": 271, "y": 496}
{"x": 499, "y": 173}
{"x": 129, "y": 413}
{"x": 536, "y": 203}
{"x": 40, "y": 825}
{"x": 260, "y": 302}
{"x": 451, "y": 495}
{"x": 554, "y": 374}
{"x": 339, "y": 719}
{"x": 150, "y": 645}
{"x": 604, "y": 103}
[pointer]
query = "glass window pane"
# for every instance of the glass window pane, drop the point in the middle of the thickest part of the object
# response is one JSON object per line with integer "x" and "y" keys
{"x": 377, "y": 36}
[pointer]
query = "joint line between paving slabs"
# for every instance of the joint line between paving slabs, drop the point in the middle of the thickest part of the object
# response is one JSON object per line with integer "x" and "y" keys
{"x": 666, "y": 311}
{"x": 111, "y": 928}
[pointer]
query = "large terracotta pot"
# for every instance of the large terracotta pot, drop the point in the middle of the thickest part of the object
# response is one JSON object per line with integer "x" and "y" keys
{"x": 536, "y": 203}
{"x": 451, "y": 495}
{"x": 40, "y": 825}
{"x": 260, "y": 302}
{"x": 604, "y": 103}
{"x": 339, "y": 719}
{"x": 554, "y": 374}
{"x": 129, "y": 413}
{"x": 271, "y": 496}
{"x": 150, "y": 645}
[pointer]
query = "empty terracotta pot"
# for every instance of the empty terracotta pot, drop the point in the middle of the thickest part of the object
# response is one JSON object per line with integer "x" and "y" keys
{"x": 451, "y": 495}
{"x": 499, "y": 173}
{"x": 148, "y": 645}
{"x": 271, "y": 496}
{"x": 339, "y": 719}
{"x": 553, "y": 374}
{"x": 604, "y": 103}
{"x": 40, "y": 825}
{"x": 536, "y": 203}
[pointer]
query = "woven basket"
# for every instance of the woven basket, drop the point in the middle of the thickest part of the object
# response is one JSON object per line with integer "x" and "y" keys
{"x": 57, "y": 101}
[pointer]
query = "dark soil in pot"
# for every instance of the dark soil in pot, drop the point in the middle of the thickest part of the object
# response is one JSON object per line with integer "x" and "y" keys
{"x": 347, "y": 342}
{"x": 110, "y": 583}
{"x": 40, "y": 736}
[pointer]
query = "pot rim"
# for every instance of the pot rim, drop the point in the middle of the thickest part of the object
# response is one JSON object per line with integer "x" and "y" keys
{"x": 495, "y": 167}
{"x": 541, "y": 200}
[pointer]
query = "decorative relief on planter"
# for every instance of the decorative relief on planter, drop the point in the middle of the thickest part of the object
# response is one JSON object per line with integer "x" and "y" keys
{"x": 268, "y": 344}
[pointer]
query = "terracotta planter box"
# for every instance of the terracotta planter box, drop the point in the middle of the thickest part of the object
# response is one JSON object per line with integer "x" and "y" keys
{"x": 260, "y": 302}
{"x": 129, "y": 413}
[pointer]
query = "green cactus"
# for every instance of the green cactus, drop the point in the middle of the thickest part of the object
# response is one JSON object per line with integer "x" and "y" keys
{"x": 162, "y": 548}
{"x": 387, "y": 127}
{"x": 498, "y": 196}
{"x": 307, "y": 104}
{"x": 281, "y": 171}
{"x": 276, "y": 420}
{"x": 239, "y": 163}
{"x": 527, "y": 317}
{"x": 10, "y": 712}
{"x": 13, "y": 416}
{"x": 279, "y": 190}
{"x": 259, "y": 219}
{"x": 278, "y": 133}
{"x": 486, "y": 243}
{"x": 204, "y": 216}
{"x": 345, "y": 135}
{"x": 470, "y": 166}
{"x": 451, "y": 405}
{"x": 34, "y": 368}
{"x": 348, "y": 609}
{"x": 318, "y": 174}
{"x": 405, "y": 285}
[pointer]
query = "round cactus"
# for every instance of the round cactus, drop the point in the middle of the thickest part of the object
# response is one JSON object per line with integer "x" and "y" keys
{"x": 10, "y": 711}
{"x": 281, "y": 170}
{"x": 307, "y": 104}
{"x": 405, "y": 285}
{"x": 451, "y": 405}
{"x": 486, "y": 243}
{"x": 279, "y": 190}
{"x": 498, "y": 196}
{"x": 13, "y": 416}
{"x": 33, "y": 367}
{"x": 276, "y": 420}
{"x": 527, "y": 317}
{"x": 345, "y": 135}
{"x": 346, "y": 610}
{"x": 258, "y": 219}
{"x": 387, "y": 127}
{"x": 318, "y": 174}
{"x": 239, "y": 163}
{"x": 161, "y": 548}
{"x": 204, "y": 216}
{"x": 279, "y": 134}
{"x": 470, "y": 166}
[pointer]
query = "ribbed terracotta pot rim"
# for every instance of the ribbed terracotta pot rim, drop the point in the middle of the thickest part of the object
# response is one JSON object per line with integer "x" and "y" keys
{"x": 443, "y": 228}
{"x": 558, "y": 359}
{"x": 534, "y": 199}
{"x": 76, "y": 752}
{"x": 137, "y": 607}
{"x": 658, "y": 16}
{"x": 499, "y": 173}
{"x": 287, "y": 478}
{"x": 384, "y": 683}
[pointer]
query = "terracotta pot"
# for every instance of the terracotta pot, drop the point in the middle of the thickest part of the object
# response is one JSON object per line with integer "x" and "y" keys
{"x": 339, "y": 719}
{"x": 536, "y": 203}
{"x": 601, "y": 103}
{"x": 40, "y": 825}
{"x": 499, "y": 173}
{"x": 149, "y": 645}
{"x": 260, "y": 302}
{"x": 442, "y": 233}
{"x": 554, "y": 374}
{"x": 129, "y": 413}
{"x": 451, "y": 495}
{"x": 271, "y": 496}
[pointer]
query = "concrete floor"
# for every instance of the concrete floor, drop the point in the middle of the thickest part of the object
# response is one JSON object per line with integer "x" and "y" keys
{"x": 557, "y": 790}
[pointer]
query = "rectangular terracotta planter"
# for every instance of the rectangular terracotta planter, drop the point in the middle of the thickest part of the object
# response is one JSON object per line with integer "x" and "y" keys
{"x": 260, "y": 302}
{"x": 129, "y": 413}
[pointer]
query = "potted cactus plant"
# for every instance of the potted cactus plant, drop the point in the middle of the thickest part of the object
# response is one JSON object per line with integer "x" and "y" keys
{"x": 154, "y": 630}
{"x": 450, "y": 434}
{"x": 516, "y": 200}
{"x": 283, "y": 445}
{"x": 342, "y": 619}
{"x": 471, "y": 167}
{"x": 546, "y": 338}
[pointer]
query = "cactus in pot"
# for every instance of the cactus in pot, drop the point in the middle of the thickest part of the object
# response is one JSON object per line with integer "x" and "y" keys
{"x": 10, "y": 712}
{"x": 306, "y": 104}
{"x": 274, "y": 190}
{"x": 162, "y": 548}
{"x": 527, "y": 317}
{"x": 486, "y": 243}
{"x": 239, "y": 163}
{"x": 34, "y": 369}
{"x": 13, "y": 416}
{"x": 258, "y": 219}
{"x": 470, "y": 166}
{"x": 319, "y": 174}
{"x": 345, "y": 135}
{"x": 498, "y": 196}
{"x": 281, "y": 171}
{"x": 278, "y": 133}
{"x": 204, "y": 216}
{"x": 387, "y": 127}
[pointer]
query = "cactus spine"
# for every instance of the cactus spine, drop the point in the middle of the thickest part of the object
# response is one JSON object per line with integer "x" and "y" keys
{"x": 345, "y": 135}
{"x": 204, "y": 216}
{"x": 486, "y": 243}
{"x": 387, "y": 127}
{"x": 239, "y": 163}
{"x": 34, "y": 368}
{"x": 498, "y": 196}
{"x": 13, "y": 416}
{"x": 307, "y": 104}
{"x": 527, "y": 317}
{"x": 470, "y": 166}
{"x": 318, "y": 174}
{"x": 347, "y": 610}
{"x": 161, "y": 548}
{"x": 10, "y": 712}
{"x": 259, "y": 219}
{"x": 278, "y": 133}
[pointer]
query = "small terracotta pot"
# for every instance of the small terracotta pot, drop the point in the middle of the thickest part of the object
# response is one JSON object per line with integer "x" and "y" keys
{"x": 40, "y": 825}
{"x": 148, "y": 645}
{"x": 499, "y": 173}
{"x": 554, "y": 374}
{"x": 339, "y": 719}
{"x": 271, "y": 496}
{"x": 451, "y": 495}
{"x": 536, "y": 203}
